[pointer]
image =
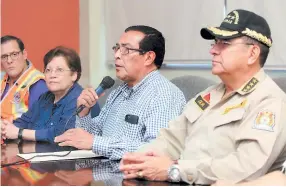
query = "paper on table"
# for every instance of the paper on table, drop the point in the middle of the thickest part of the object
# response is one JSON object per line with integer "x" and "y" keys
{"x": 76, "y": 154}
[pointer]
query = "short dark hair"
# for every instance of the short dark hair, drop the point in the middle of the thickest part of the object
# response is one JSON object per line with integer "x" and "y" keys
{"x": 153, "y": 41}
{"x": 264, "y": 50}
{"x": 71, "y": 56}
{"x": 7, "y": 38}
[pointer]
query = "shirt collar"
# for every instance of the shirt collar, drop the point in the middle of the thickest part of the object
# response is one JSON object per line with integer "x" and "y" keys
{"x": 252, "y": 84}
{"x": 248, "y": 87}
{"x": 127, "y": 91}
{"x": 62, "y": 100}
{"x": 51, "y": 97}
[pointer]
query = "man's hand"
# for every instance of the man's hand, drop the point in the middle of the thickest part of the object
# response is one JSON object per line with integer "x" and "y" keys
{"x": 78, "y": 138}
{"x": 137, "y": 165}
{"x": 8, "y": 130}
{"x": 88, "y": 98}
{"x": 124, "y": 162}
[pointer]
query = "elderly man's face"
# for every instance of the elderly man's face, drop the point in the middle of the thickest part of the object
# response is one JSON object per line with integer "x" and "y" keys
{"x": 129, "y": 61}
{"x": 229, "y": 56}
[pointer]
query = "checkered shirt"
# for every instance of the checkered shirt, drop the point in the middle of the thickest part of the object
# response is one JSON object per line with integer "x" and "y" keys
{"x": 103, "y": 170}
{"x": 155, "y": 100}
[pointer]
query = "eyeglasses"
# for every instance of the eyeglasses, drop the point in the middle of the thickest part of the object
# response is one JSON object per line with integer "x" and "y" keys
{"x": 58, "y": 71}
{"x": 224, "y": 43}
{"x": 13, "y": 56}
{"x": 125, "y": 50}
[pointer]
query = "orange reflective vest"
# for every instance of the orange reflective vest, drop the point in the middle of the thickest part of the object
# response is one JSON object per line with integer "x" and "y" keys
{"x": 16, "y": 100}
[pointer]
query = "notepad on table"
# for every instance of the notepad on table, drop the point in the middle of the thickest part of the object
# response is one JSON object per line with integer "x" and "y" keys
{"x": 51, "y": 156}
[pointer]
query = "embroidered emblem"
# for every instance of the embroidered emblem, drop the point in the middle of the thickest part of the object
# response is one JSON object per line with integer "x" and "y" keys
{"x": 258, "y": 36}
{"x": 201, "y": 102}
{"x": 17, "y": 97}
{"x": 250, "y": 85}
{"x": 265, "y": 120}
{"x": 232, "y": 18}
{"x": 222, "y": 32}
{"x": 240, "y": 105}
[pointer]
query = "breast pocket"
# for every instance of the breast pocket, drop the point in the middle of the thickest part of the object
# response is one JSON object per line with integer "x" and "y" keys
{"x": 222, "y": 130}
{"x": 132, "y": 126}
{"x": 231, "y": 117}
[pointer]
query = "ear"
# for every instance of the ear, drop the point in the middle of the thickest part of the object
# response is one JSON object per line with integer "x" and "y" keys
{"x": 254, "y": 54}
{"x": 25, "y": 54}
{"x": 149, "y": 58}
{"x": 74, "y": 76}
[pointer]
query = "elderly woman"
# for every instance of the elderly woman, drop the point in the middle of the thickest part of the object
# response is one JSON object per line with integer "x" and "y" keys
{"x": 52, "y": 114}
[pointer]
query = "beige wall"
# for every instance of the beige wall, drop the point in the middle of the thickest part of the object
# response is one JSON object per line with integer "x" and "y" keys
{"x": 92, "y": 48}
{"x": 92, "y": 39}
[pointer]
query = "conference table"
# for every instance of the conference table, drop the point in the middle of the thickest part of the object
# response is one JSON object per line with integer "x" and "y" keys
{"x": 80, "y": 172}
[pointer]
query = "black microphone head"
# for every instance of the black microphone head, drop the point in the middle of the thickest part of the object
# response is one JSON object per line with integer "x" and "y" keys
{"x": 107, "y": 82}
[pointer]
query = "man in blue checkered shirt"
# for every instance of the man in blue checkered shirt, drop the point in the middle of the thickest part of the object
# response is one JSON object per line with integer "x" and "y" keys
{"x": 137, "y": 109}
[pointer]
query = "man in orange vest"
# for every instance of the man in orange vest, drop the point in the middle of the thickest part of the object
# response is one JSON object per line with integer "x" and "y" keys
{"x": 22, "y": 84}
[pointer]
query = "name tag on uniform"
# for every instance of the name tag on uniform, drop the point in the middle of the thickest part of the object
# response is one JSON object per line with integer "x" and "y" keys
{"x": 133, "y": 119}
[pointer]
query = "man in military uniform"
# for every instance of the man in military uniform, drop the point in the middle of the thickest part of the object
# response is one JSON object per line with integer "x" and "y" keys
{"x": 234, "y": 130}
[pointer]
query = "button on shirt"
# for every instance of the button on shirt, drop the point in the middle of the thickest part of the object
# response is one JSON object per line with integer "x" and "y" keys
{"x": 132, "y": 116}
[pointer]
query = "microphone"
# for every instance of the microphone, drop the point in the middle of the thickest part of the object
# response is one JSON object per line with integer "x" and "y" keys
{"x": 106, "y": 83}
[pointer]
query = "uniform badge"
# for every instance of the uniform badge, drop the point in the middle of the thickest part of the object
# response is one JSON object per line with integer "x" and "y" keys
{"x": 17, "y": 97}
{"x": 250, "y": 85}
{"x": 207, "y": 97}
{"x": 201, "y": 102}
{"x": 265, "y": 120}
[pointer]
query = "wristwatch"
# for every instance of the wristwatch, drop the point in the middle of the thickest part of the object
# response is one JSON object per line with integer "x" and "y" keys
{"x": 284, "y": 168}
{"x": 174, "y": 173}
{"x": 20, "y": 134}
